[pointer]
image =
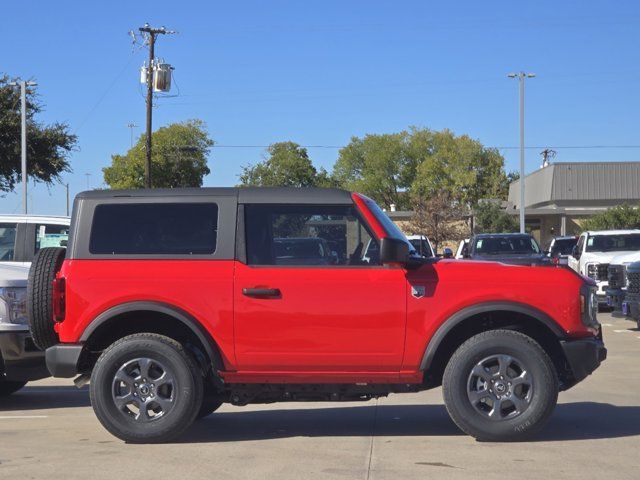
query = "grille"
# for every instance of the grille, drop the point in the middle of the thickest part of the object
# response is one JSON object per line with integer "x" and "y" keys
{"x": 598, "y": 271}
{"x": 617, "y": 276}
{"x": 633, "y": 282}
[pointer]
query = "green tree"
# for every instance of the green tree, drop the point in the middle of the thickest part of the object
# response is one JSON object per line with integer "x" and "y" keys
{"x": 378, "y": 166}
{"x": 490, "y": 217}
{"x": 48, "y": 146}
{"x": 287, "y": 165}
{"x": 178, "y": 159}
{"x": 459, "y": 165}
{"x": 391, "y": 168}
{"x": 619, "y": 217}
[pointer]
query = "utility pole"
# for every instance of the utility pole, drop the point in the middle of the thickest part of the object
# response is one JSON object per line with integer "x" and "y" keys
{"x": 131, "y": 126}
{"x": 88, "y": 175}
{"x": 151, "y": 34}
{"x": 67, "y": 188}
{"x": 23, "y": 148}
{"x": 521, "y": 76}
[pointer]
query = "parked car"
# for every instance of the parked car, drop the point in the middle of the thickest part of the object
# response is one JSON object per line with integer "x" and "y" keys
{"x": 512, "y": 248}
{"x": 462, "y": 248}
{"x": 595, "y": 250}
{"x": 560, "y": 249}
{"x": 171, "y": 302}
{"x": 20, "y": 360}
{"x": 21, "y": 236}
{"x": 422, "y": 245}
{"x": 631, "y": 302}
{"x": 617, "y": 279}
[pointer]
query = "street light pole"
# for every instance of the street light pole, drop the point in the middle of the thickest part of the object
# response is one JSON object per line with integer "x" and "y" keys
{"x": 23, "y": 147}
{"x": 521, "y": 78}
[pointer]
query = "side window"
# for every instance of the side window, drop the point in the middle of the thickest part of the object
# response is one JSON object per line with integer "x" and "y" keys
{"x": 154, "y": 229}
{"x": 51, "y": 236}
{"x": 7, "y": 241}
{"x": 307, "y": 235}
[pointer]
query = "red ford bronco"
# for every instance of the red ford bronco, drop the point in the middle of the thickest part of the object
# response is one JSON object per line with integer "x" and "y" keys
{"x": 172, "y": 302}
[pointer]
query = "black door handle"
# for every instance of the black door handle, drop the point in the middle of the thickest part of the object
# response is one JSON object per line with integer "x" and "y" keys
{"x": 261, "y": 292}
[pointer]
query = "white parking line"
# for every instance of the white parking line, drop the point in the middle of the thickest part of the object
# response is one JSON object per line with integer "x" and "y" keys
{"x": 23, "y": 417}
{"x": 607, "y": 325}
{"x": 623, "y": 331}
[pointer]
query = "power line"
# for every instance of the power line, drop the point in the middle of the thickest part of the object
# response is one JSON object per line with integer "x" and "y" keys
{"x": 554, "y": 147}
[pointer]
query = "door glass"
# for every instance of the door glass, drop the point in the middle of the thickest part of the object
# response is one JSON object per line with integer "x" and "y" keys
{"x": 7, "y": 241}
{"x": 51, "y": 236}
{"x": 308, "y": 235}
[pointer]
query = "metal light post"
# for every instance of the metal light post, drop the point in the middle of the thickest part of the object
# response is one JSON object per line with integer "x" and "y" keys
{"x": 521, "y": 78}
{"x": 23, "y": 148}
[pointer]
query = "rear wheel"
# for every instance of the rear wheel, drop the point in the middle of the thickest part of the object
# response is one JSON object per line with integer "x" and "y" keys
{"x": 146, "y": 388}
{"x": 7, "y": 387}
{"x": 500, "y": 385}
{"x": 43, "y": 271}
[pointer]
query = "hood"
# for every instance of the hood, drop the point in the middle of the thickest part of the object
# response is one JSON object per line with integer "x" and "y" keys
{"x": 625, "y": 258}
{"x": 13, "y": 275}
{"x": 605, "y": 257}
{"x": 526, "y": 259}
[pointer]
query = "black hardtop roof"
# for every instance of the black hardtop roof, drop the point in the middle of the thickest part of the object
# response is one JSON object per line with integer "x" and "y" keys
{"x": 280, "y": 195}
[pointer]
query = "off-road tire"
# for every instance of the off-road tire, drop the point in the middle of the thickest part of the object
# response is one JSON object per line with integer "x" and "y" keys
{"x": 43, "y": 271}
{"x": 457, "y": 377}
{"x": 188, "y": 388}
{"x": 9, "y": 387}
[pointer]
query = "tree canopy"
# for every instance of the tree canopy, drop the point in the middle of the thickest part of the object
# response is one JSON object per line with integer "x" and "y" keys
{"x": 490, "y": 217}
{"x": 393, "y": 168}
{"x": 287, "y": 165}
{"x": 619, "y": 217}
{"x": 48, "y": 146}
{"x": 178, "y": 158}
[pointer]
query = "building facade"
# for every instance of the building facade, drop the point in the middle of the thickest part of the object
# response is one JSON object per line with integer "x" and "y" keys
{"x": 560, "y": 195}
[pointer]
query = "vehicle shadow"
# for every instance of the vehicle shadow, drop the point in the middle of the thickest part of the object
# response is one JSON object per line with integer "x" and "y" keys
{"x": 43, "y": 397}
{"x": 570, "y": 421}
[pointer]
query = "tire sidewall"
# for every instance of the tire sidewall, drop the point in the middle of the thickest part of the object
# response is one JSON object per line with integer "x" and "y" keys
{"x": 545, "y": 388}
{"x": 188, "y": 391}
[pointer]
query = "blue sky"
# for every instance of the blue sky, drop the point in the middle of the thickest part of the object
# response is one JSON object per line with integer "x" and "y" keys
{"x": 318, "y": 73}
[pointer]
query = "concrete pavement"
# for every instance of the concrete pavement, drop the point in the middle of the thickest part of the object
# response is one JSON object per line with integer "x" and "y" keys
{"x": 48, "y": 430}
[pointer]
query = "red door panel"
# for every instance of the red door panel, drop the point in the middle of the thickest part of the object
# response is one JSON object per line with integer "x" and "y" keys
{"x": 327, "y": 319}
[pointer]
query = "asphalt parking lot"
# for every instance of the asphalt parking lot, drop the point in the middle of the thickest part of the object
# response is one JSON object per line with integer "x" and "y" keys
{"x": 48, "y": 430}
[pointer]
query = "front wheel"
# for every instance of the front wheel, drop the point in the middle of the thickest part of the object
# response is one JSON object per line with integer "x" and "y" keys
{"x": 146, "y": 388}
{"x": 500, "y": 385}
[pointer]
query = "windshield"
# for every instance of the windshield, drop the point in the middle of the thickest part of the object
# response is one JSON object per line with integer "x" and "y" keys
{"x": 613, "y": 243}
{"x": 390, "y": 227}
{"x": 506, "y": 246}
{"x": 422, "y": 247}
{"x": 563, "y": 246}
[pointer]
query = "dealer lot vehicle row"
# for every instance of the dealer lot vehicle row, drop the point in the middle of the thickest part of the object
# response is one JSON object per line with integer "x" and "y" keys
{"x": 48, "y": 430}
{"x": 174, "y": 302}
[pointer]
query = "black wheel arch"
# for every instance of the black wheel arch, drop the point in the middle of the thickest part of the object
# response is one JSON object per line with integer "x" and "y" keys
{"x": 486, "y": 316}
{"x": 112, "y": 324}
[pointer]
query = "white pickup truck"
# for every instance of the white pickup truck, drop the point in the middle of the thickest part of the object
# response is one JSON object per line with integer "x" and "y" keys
{"x": 595, "y": 251}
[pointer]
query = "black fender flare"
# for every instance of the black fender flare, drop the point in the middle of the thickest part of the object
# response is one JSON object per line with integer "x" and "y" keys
{"x": 211, "y": 348}
{"x": 460, "y": 316}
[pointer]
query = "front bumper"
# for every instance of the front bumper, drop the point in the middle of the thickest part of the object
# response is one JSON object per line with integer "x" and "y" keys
{"x": 584, "y": 356}
{"x": 20, "y": 359}
{"x": 63, "y": 359}
{"x": 615, "y": 297}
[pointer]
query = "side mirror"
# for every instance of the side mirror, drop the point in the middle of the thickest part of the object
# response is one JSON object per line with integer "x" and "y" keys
{"x": 575, "y": 253}
{"x": 393, "y": 250}
{"x": 465, "y": 251}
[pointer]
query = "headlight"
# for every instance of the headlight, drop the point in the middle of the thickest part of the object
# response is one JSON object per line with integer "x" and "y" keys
{"x": 592, "y": 270}
{"x": 13, "y": 305}
{"x": 589, "y": 306}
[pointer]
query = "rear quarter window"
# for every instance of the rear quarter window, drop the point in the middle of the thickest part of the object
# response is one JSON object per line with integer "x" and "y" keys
{"x": 154, "y": 229}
